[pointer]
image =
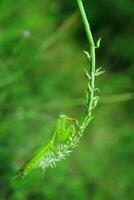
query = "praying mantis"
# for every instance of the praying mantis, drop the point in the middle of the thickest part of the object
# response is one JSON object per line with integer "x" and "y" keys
{"x": 61, "y": 133}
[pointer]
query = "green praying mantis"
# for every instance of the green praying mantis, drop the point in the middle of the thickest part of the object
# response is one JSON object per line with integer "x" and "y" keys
{"x": 60, "y": 136}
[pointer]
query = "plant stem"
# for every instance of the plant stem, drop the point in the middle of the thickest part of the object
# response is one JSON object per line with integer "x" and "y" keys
{"x": 91, "y": 46}
{"x": 91, "y": 83}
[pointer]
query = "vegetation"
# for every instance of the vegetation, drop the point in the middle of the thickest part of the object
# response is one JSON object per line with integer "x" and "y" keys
{"x": 65, "y": 137}
{"x": 41, "y": 69}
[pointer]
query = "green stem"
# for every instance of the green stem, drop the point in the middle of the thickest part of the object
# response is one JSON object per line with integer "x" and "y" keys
{"x": 91, "y": 46}
{"x": 87, "y": 116}
{"x": 86, "y": 23}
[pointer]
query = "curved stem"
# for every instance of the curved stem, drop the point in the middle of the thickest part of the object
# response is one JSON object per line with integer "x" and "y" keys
{"x": 91, "y": 83}
{"x": 91, "y": 46}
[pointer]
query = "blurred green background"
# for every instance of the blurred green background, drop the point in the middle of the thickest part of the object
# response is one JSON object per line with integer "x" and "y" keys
{"x": 41, "y": 76}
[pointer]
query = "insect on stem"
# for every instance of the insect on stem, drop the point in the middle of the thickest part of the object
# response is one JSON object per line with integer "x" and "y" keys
{"x": 66, "y": 135}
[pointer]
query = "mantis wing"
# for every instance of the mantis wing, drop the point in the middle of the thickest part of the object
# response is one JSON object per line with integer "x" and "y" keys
{"x": 34, "y": 161}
